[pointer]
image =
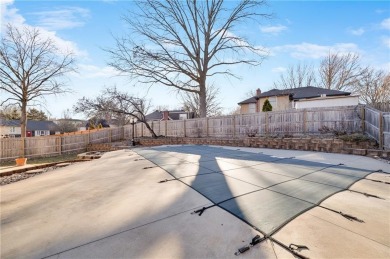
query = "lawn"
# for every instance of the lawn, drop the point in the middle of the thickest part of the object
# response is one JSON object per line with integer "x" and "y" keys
{"x": 43, "y": 160}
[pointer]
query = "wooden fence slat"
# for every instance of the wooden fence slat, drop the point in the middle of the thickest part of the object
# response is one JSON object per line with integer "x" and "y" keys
{"x": 307, "y": 121}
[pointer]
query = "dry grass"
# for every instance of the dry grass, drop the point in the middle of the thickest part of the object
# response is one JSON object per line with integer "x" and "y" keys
{"x": 44, "y": 160}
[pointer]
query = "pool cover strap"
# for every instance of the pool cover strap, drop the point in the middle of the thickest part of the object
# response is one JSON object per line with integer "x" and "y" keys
{"x": 166, "y": 180}
{"x": 292, "y": 248}
{"x": 256, "y": 240}
{"x": 347, "y": 216}
{"x": 372, "y": 196}
{"x": 200, "y": 211}
{"x": 297, "y": 247}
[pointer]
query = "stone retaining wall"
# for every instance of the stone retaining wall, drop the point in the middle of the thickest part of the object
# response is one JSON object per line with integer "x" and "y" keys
{"x": 330, "y": 145}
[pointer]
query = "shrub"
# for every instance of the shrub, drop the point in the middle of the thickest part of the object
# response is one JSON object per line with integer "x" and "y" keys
{"x": 356, "y": 137}
{"x": 267, "y": 107}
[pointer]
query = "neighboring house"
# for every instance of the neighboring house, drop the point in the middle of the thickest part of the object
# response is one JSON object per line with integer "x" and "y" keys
{"x": 11, "y": 128}
{"x": 297, "y": 98}
{"x": 169, "y": 115}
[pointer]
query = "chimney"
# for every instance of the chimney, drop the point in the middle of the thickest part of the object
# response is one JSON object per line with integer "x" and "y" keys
{"x": 165, "y": 115}
{"x": 258, "y": 92}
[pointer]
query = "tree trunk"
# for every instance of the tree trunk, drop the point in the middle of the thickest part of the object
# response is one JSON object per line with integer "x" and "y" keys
{"x": 150, "y": 129}
{"x": 23, "y": 125}
{"x": 23, "y": 119}
{"x": 202, "y": 100}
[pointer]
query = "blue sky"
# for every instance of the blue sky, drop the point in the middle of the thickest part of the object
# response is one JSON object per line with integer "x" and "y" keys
{"x": 299, "y": 32}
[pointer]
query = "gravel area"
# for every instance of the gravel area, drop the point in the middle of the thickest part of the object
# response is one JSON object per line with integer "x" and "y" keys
{"x": 25, "y": 175}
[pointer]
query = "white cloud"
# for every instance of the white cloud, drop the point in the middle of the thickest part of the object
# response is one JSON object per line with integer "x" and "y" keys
{"x": 386, "y": 41}
{"x": 273, "y": 29}
{"x": 314, "y": 51}
{"x": 380, "y": 11}
{"x": 386, "y": 67}
{"x": 385, "y": 24}
{"x": 62, "y": 18}
{"x": 92, "y": 71}
{"x": 279, "y": 69}
{"x": 357, "y": 32}
{"x": 10, "y": 15}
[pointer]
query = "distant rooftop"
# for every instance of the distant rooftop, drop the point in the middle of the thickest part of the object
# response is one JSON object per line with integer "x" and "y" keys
{"x": 297, "y": 93}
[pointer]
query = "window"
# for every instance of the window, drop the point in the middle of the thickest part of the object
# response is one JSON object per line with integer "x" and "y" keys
{"x": 182, "y": 116}
{"x": 252, "y": 108}
{"x": 273, "y": 102}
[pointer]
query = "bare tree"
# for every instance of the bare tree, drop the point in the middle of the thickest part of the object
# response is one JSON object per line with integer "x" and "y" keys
{"x": 112, "y": 100}
{"x": 161, "y": 108}
{"x": 300, "y": 75}
{"x": 374, "y": 87}
{"x": 30, "y": 66}
{"x": 181, "y": 44}
{"x": 340, "y": 71}
{"x": 234, "y": 111}
{"x": 191, "y": 102}
{"x": 65, "y": 124}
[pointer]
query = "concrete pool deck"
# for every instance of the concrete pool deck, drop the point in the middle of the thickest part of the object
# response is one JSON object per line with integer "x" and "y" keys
{"x": 115, "y": 207}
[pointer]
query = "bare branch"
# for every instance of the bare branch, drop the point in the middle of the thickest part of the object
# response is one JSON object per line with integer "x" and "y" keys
{"x": 191, "y": 102}
{"x": 300, "y": 75}
{"x": 30, "y": 67}
{"x": 181, "y": 44}
{"x": 374, "y": 87}
{"x": 118, "y": 103}
{"x": 340, "y": 71}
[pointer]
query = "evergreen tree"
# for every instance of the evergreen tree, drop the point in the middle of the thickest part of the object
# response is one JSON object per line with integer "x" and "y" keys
{"x": 267, "y": 107}
{"x": 36, "y": 115}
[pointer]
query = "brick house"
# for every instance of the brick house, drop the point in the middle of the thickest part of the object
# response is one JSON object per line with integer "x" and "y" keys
{"x": 297, "y": 98}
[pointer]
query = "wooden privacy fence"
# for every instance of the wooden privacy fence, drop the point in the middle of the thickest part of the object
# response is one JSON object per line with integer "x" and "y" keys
{"x": 291, "y": 122}
{"x": 377, "y": 126}
{"x": 56, "y": 145}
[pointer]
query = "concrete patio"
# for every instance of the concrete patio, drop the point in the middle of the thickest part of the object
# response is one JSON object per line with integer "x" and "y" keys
{"x": 140, "y": 203}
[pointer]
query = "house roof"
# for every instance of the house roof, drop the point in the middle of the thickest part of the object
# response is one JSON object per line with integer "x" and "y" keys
{"x": 31, "y": 124}
{"x": 156, "y": 115}
{"x": 9, "y": 123}
{"x": 173, "y": 115}
{"x": 250, "y": 100}
{"x": 297, "y": 93}
{"x": 41, "y": 125}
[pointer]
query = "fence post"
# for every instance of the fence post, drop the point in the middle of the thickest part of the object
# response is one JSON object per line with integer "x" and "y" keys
{"x": 207, "y": 127}
{"x": 381, "y": 135}
{"x": 109, "y": 136}
{"x": 58, "y": 140}
{"x": 304, "y": 121}
{"x": 363, "y": 118}
{"x": 184, "y": 128}
{"x": 86, "y": 140}
{"x": 23, "y": 148}
{"x": 266, "y": 122}
{"x": 234, "y": 126}
{"x": 166, "y": 128}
